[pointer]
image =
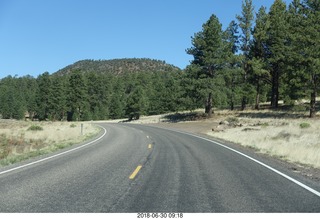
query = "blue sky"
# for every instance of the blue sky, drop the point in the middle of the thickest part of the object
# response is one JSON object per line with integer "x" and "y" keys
{"x": 38, "y": 36}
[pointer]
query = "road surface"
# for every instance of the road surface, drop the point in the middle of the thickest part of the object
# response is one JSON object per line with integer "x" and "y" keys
{"x": 135, "y": 168}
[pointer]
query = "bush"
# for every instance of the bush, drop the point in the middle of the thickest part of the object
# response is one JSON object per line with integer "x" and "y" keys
{"x": 304, "y": 125}
{"x": 35, "y": 128}
{"x": 233, "y": 120}
{"x": 73, "y": 125}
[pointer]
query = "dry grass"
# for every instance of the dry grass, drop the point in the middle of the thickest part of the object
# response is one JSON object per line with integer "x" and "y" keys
{"x": 286, "y": 136}
{"x": 20, "y": 140}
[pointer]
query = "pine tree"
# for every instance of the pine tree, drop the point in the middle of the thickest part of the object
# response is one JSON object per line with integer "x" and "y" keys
{"x": 31, "y": 90}
{"x": 117, "y": 102}
{"x": 209, "y": 59}
{"x": 232, "y": 70}
{"x": 245, "y": 23}
{"x": 99, "y": 89}
{"x": 78, "y": 97}
{"x": 44, "y": 96}
{"x": 258, "y": 63}
{"x": 136, "y": 103}
{"x": 277, "y": 45}
{"x": 312, "y": 51}
{"x": 58, "y": 102}
{"x": 12, "y": 102}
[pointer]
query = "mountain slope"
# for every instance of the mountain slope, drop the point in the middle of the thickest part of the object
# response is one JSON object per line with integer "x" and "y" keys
{"x": 119, "y": 66}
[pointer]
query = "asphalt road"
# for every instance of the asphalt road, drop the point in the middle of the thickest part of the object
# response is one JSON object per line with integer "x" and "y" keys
{"x": 135, "y": 168}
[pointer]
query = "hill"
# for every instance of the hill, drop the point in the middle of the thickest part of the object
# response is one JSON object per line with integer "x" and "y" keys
{"x": 119, "y": 66}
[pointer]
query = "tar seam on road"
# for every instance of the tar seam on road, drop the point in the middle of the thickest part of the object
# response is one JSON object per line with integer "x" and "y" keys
{"x": 135, "y": 172}
{"x": 315, "y": 192}
{"x": 56, "y": 155}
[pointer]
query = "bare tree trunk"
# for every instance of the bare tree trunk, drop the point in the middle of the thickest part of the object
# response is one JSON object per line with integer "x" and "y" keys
{"x": 257, "y": 106}
{"x": 275, "y": 89}
{"x": 245, "y": 97}
{"x": 313, "y": 110}
{"x": 243, "y": 103}
{"x": 232, "y": 95}
{"x": 208, "y": 108}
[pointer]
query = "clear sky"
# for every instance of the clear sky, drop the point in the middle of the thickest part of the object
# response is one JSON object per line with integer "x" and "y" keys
{"x": 47, "y": 35}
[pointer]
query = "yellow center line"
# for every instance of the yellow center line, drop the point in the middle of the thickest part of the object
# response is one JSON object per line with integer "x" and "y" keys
{"x": 150, "y": 146}
{"x": 135, "y": 172}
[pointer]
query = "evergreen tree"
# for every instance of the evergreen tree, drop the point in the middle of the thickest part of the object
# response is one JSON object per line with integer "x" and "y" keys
{"x": 136, "y": 103}
{"x": 99, "y": 88}
{"x": 277, "y": 44}
{"x": 232, "y": 70}
{"x": 209, "y": 59}
{"x": 117, "y": 102}
{"x": 30, "y": 94}
{"x": 58, "y": 102}
{"x": 245, "y": 23}
{"x": 312, "y": 49}
{"x": 258, "y": 63}
{"x": 191, "y": 97}
{"x": 304, "y": 78}
{"x": 44, "y": 96}
{"x": 78, "y": 97}
{"x": 12, "y": 103}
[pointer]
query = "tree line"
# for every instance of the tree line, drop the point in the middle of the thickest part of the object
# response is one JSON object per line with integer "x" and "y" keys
{"x": 261, "y": 56}
{"x": 82, "y": 96}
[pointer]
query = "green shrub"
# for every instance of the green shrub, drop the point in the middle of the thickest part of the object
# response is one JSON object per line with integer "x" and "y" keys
{"x": 73, "y": 125}
{"x": 304, "y": 125}
{"x": 233, "y": 120}
{"x": 299, "y": 108}
{"x": 35, "y": 128}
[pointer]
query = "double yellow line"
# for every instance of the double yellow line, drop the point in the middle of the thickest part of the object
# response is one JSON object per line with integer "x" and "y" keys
{"x": 136, "y": 171}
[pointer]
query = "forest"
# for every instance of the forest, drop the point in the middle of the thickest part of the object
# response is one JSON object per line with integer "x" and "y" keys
{"x": 263, "y": 55}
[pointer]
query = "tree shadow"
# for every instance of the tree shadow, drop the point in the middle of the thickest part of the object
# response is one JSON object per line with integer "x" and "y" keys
{"x": 183, "y": 117}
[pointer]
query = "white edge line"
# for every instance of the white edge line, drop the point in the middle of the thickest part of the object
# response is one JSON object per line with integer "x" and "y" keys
{"x": 259, "y": 162}
{"x": 56, "y": 155}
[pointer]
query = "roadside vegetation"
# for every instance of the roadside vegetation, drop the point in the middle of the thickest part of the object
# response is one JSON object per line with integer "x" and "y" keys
{"x": 290, "y": 137}
{"x": 21, "y": 140}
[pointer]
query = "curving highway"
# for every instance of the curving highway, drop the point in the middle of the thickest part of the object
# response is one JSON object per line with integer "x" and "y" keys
{"x": 136, "y": 168}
